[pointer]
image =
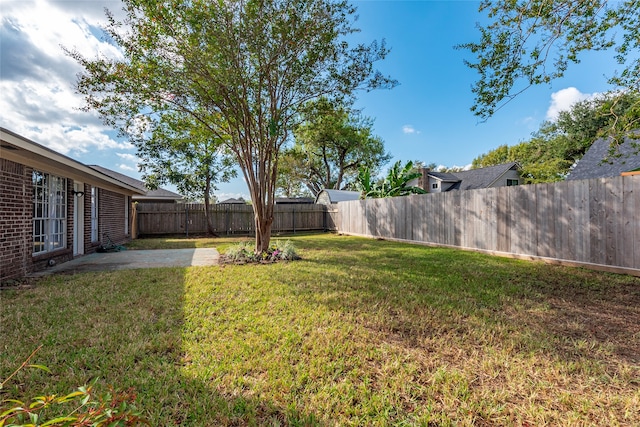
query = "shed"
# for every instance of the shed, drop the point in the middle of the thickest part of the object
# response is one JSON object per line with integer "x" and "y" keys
{"x": 331, "y": 197}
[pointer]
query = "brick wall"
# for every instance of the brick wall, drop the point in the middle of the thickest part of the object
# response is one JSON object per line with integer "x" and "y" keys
{"x": 111, "y": 219}
{"x": 16, "y": 222}
{"x": 15, "y": 219}
{"x": 112, "y": 216}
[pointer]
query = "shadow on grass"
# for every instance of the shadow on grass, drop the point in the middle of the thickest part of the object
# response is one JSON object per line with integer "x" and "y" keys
{"x": 127, "y": 330}
{"x": 572, "y": 313}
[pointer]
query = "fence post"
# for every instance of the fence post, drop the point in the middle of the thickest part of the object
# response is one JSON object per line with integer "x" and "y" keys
{"x": 294, "y": 219}
{"x": 324, "y": 217}
{"x": 226, "y": 219}
{"x": 186, "y": 219}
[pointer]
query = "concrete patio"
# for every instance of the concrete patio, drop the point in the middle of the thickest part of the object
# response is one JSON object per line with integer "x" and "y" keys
{"x": 133, "y": 259}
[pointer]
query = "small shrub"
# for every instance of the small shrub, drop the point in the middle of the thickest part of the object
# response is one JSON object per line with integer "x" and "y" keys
{"x": 239, "y": 252}
{"x": 278, "y": 251}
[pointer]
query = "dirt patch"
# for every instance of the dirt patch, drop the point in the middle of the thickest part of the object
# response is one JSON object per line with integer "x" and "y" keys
{"x": 581, "y": 318}
{"x": 17, "y": 284}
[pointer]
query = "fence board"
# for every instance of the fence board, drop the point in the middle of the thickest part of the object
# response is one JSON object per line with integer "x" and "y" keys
{"x": 545, "y": 230}
{"x": 168, "y": 218}
{"x": 581, "y": 230}
{"x": 597, "y": 203}
{"x": 503, "y": 242}
{"x": 592, "y": 222}
{"x": 631, "y": 232}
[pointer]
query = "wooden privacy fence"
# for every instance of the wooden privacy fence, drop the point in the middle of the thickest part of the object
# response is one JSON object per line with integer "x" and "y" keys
{"x": 593, "y": 223}
{"x": 170, "y": 218}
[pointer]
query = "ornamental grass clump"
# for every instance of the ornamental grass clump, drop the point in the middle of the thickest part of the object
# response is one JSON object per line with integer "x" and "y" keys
{"x": 277, "y": 251}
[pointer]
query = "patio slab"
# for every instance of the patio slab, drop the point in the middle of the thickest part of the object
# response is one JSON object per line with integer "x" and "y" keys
{"x": 133, "y": 259}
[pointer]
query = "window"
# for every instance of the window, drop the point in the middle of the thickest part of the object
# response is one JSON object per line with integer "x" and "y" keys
{"x": 434, "y": 186}
{"x": 94, "y": 214}
{"x": 512, "y": 182}
{"x": 49, "y": 212}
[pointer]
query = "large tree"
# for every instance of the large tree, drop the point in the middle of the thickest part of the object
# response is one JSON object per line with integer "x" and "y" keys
{"x": 530, "y": 42}
{"x": 331, "y": 142}
{"x": 186, "y": 155}
{"x": 241, "y": 68}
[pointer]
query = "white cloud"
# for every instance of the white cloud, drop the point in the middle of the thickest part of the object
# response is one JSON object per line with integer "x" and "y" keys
{"x": 128, "y": 157}
{"x": 563, "y": 99}
{"x": 127, "y": 168}
{"x": 37, "y": 78}
{"x": 408, "y": 129}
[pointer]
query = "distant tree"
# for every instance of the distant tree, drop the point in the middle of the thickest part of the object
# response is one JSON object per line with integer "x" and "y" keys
{"x": 187, "y": 156}
{"x": 290, "y": 183}
{"x": 494, "y": 157}
{"x": 331, "y": 143}
{"x": 241, "y": 68}
{"x": 551, "y": 152}
{"x": 396, "y": 183}
{"x": 418, "y": 165}
{"x": 454, "y": 169}
{"x": 531, "y": 42}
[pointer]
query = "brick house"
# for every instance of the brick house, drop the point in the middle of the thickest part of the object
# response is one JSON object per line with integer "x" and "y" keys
{"x": 53, "y": 208}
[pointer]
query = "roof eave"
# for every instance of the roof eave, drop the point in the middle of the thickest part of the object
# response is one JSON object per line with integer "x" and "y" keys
{"x": 21, "y": 150}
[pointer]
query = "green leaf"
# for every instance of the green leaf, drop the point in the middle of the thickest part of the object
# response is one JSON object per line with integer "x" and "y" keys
{"x": 41, "y": 367}
{"x": 59, "y": 420}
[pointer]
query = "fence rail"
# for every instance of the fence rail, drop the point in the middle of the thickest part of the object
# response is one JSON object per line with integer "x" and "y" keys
{"x": 592, "y": 222}
{"x": 168, "y": 218}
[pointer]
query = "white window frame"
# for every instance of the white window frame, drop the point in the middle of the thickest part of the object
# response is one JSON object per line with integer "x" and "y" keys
{"x": 49, "y": 230}
{"x": 94, "y": 215}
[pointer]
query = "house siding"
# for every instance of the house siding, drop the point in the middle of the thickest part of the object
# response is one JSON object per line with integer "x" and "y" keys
{"x": 111, "y": 218}
{"x": 15, "y": 219}
{"x": 502, "y": 181}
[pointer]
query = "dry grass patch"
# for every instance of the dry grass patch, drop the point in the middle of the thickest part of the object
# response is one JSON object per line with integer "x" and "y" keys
{"x": 359, "y": 332}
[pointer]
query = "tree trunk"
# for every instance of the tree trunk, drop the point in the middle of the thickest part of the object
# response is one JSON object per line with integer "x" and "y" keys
{"x": 263, "y": 234}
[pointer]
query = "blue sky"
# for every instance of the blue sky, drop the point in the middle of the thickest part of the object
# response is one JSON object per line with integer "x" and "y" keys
{"x": 427, "y": 117}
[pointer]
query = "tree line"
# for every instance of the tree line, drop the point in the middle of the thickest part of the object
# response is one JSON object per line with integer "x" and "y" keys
{"x": 202, "y": 86}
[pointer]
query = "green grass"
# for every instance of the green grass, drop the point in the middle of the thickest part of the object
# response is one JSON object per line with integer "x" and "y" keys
{"x": 359, "y": 332}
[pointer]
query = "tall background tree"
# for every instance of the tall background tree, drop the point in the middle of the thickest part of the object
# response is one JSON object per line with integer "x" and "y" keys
{"x": 241, "y": 68}
{"x": 549, "y": 155}
{"x": 186, "y": 155}
{"x": 331, "y": 142}
{"x": 531, "y": 42}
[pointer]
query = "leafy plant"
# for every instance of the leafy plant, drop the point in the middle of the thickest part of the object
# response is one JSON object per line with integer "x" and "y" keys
{"x": 396, "y": 183}
{"x": 83, "y": 407}
{"x": 277, "y": 251}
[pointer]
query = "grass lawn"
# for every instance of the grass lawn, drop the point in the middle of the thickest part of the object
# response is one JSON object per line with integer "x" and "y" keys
{"x": 359, "y": 332}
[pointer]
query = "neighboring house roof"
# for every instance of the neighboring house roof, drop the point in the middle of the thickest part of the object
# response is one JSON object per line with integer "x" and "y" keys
{"x": 159, "y": 194}
{"x": 598, "y": 163}
{"x": 19, "y": 149}
{"x": 444, "y": 176}
{"x": 233, "y": 201}
{"x": 483, "y": 177}
{"x": 474, "y": 178}
{"x": 336, "y": 196}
